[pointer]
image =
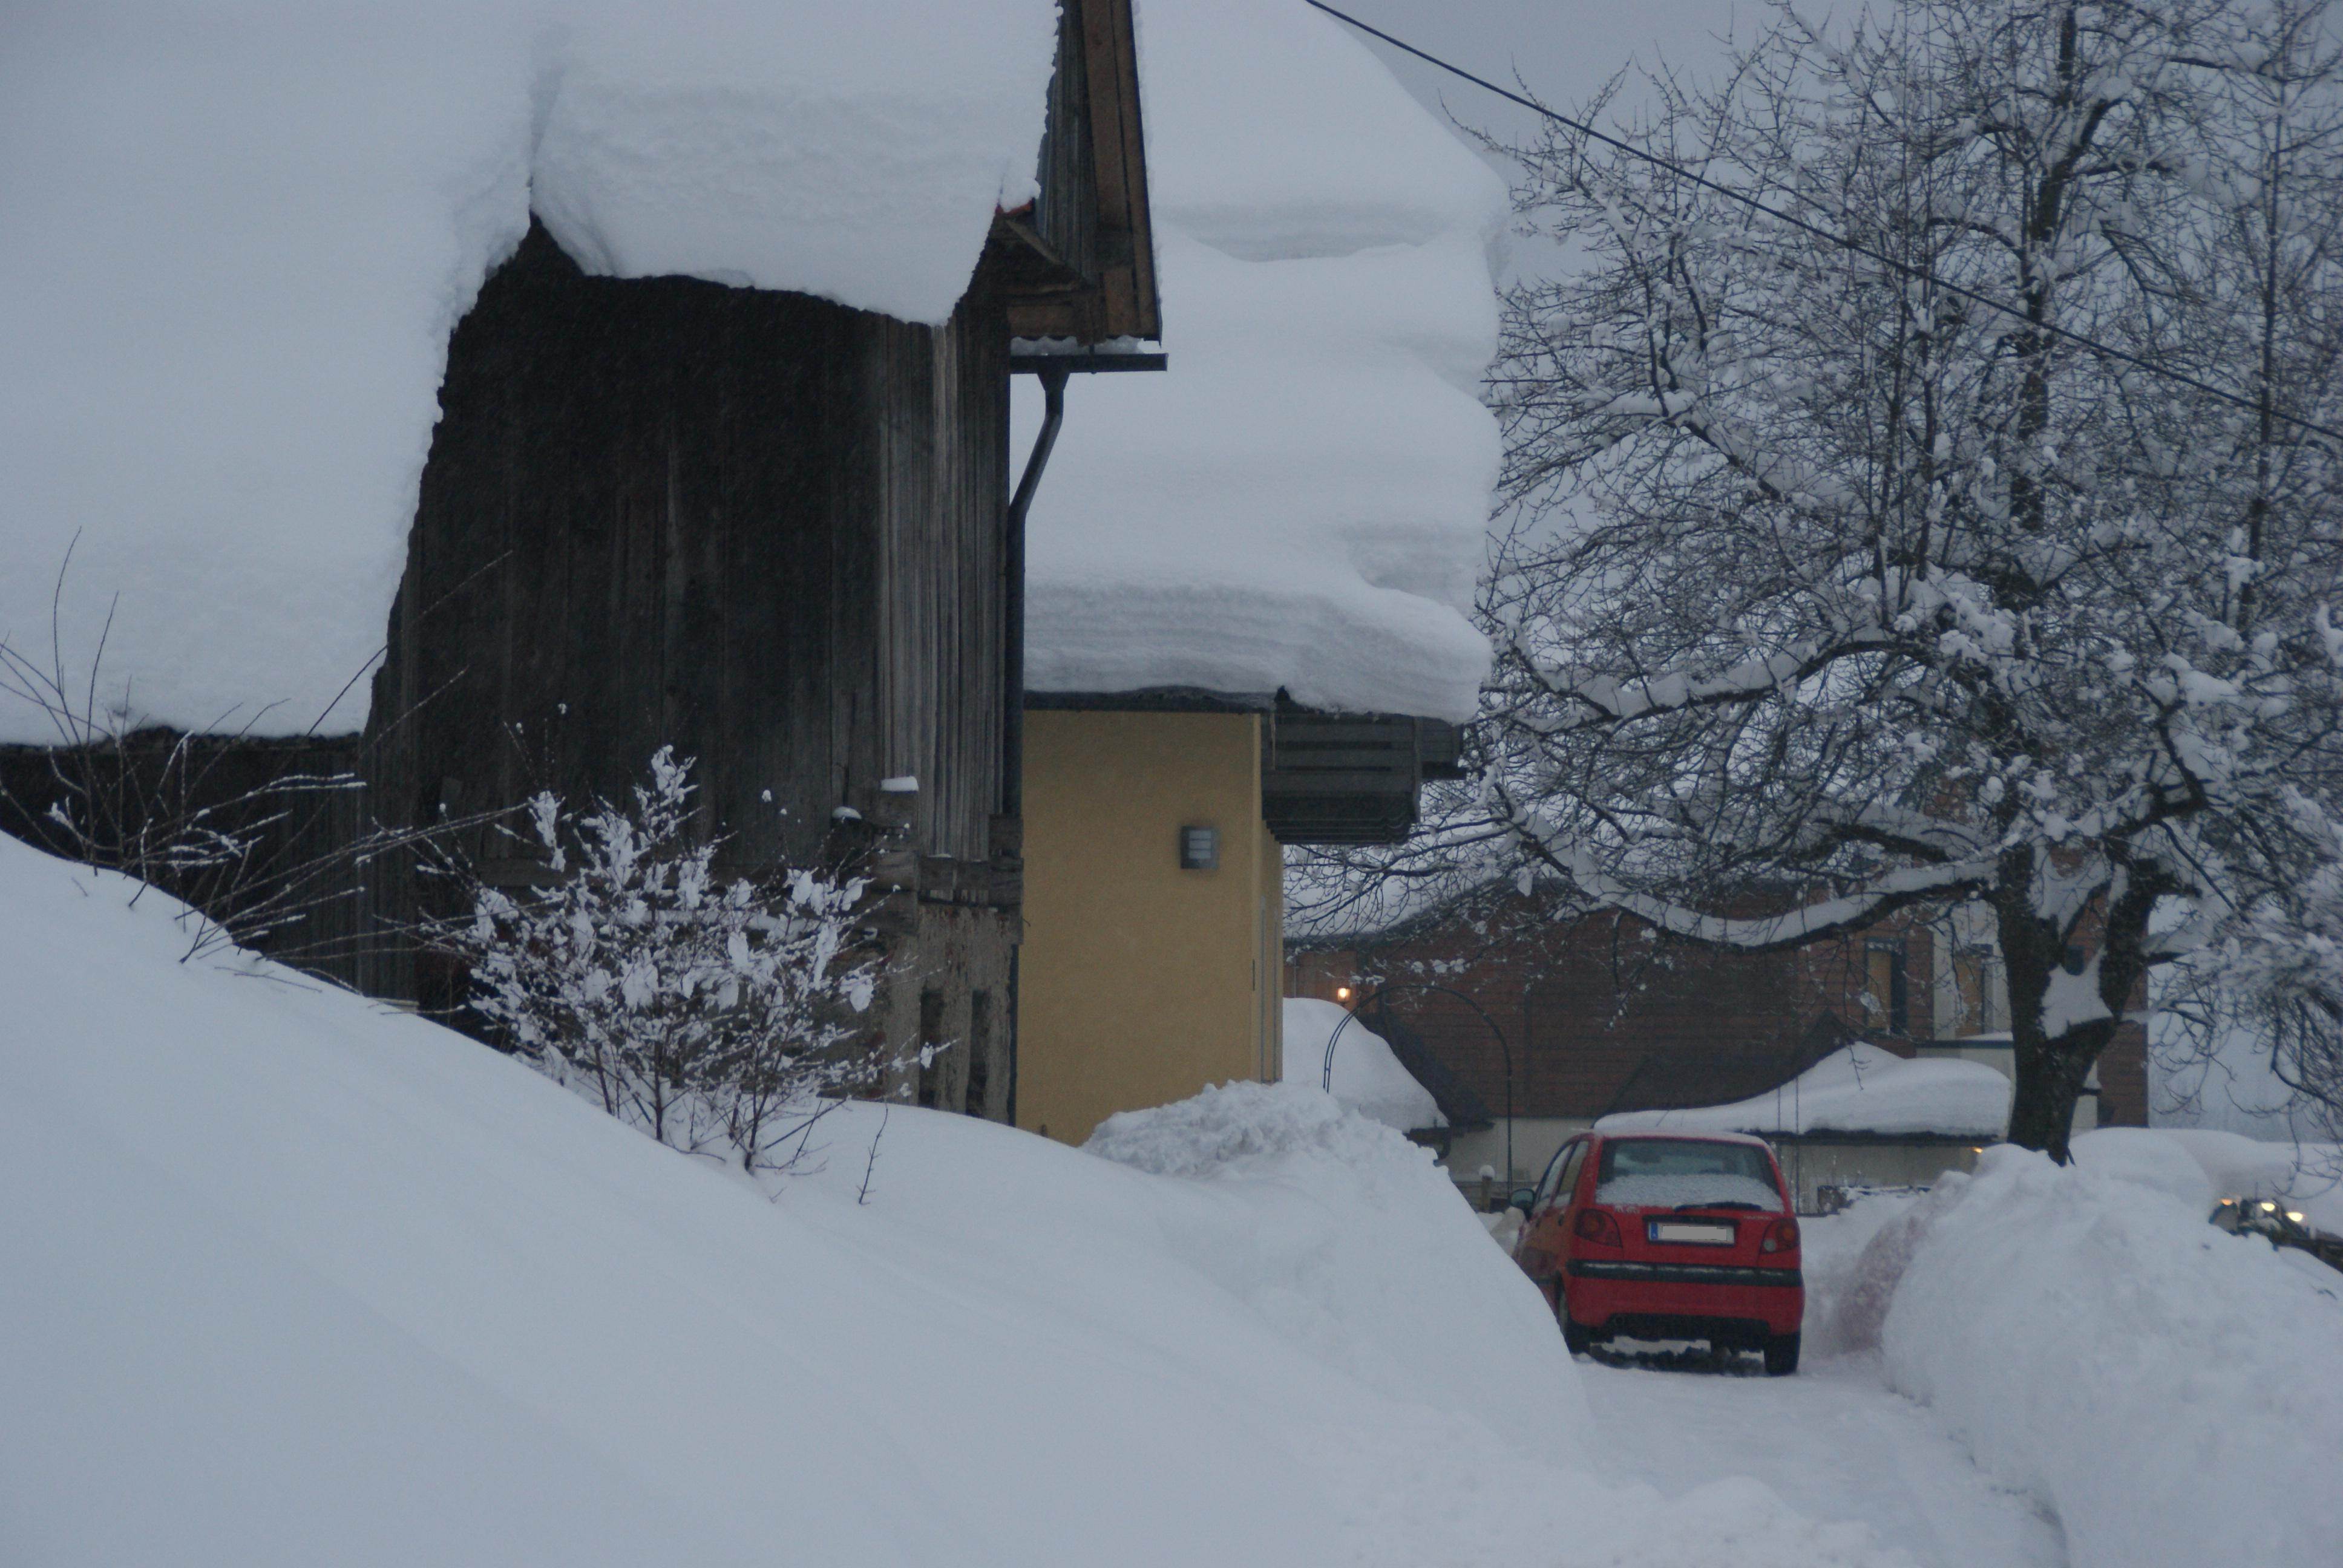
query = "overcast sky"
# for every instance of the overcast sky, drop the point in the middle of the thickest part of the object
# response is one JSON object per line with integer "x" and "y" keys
{"x": 1564, "y": 49}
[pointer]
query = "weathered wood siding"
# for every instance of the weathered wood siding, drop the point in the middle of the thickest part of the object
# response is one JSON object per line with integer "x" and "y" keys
{"x": 942, "y": 462}
{"x": 759, "y": 527}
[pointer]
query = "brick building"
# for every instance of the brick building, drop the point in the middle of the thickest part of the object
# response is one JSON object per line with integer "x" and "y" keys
{"x": 1603, "y": 1013}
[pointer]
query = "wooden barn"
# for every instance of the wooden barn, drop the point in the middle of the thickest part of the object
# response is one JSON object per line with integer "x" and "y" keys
{"x": 773, "y": 532}
{"x": 776, "y": 534}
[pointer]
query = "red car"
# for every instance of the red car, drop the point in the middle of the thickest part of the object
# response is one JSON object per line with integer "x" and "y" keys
{"x": 1667, "y": 1236}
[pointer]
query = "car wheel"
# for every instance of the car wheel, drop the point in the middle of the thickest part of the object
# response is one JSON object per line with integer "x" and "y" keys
{"x": 1781, "y": 1355}
{"x": 1576, "y": 1339}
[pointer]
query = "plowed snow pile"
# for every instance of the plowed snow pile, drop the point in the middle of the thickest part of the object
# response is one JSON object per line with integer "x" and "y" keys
{"x": 2174, "y": 1392}
{"x": 289, "y": 1279}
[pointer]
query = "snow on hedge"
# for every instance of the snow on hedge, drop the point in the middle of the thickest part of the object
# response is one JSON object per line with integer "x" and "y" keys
{"x": 1368, "y": 1078}
{"x": 1301, "y": 501}
{"x": 293, "y": 1280}
{"x": 2170, "y": 1391}
{"x": 1858, "y": 1089}
{"x": 237, "y": 237}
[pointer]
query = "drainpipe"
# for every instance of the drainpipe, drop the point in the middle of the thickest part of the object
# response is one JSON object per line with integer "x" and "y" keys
{"x": 1012, "y": 657}
{"x": 1012, "y": 636}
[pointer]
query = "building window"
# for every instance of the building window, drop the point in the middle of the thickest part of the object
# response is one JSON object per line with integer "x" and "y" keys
{"x": 1884, "y": 991}
{"x": 1978, "y": 992}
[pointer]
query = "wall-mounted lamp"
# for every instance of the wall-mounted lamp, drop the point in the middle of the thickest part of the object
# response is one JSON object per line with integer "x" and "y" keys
{"x": 1199, "y": 849}
{"x": 1341, "y": 993}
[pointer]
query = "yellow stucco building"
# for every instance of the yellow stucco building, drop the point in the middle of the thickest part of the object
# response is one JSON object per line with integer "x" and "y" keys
{"x": 1153, "y": 954}
{"x": 1144, "y": 974}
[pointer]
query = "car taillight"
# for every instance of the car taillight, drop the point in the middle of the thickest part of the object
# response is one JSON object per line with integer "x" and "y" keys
{"x": 1781, "y": 1236}
{"x": 1595, "y": 1225}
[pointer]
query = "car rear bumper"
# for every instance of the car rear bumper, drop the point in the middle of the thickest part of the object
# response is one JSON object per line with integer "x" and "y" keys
{"x": 1600, "y": 1290}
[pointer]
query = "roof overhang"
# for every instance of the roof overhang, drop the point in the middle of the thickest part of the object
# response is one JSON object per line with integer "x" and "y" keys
{"x": 1080, "y": 262}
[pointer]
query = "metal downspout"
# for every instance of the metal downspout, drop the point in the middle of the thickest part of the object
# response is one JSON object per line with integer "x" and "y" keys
{"x": 1012, "y": 653}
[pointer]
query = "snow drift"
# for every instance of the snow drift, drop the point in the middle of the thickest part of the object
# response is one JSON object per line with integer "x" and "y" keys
{"x": 1859, "y": 1088}
{"x": 1368, "y": 1078}
{"x": 2203, "y": 1166}
{"x": 2168, "y": 1389}
{"x": 239, "y": 234}
{"x": 293, "y": 1280}
{"x": 1301, "y": 501}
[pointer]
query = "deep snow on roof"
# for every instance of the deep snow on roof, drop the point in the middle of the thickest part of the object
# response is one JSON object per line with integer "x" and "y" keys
{"x": 1858, "y": 1089}
{"x": 239, "y": 236}
{"x": 1301, "y": 501}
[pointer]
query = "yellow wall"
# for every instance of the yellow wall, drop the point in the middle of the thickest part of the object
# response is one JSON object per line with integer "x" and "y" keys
{"x": 1140, "y": 983}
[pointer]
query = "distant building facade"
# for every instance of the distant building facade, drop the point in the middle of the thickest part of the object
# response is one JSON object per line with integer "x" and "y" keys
{"x": 1604, "y": 1014}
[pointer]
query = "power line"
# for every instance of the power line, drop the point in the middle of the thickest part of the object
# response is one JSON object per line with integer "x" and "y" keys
{"x": 1919, "y": 274}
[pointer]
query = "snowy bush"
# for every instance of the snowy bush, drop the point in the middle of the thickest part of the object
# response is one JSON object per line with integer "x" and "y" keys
{"x": 702, "y": 1012}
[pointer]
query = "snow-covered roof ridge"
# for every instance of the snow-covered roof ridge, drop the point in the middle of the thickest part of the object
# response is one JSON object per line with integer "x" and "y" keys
{"x": 1859, "y": 1087}
{"x": 1301, "y": 501}
{"x": 238, "y": 236}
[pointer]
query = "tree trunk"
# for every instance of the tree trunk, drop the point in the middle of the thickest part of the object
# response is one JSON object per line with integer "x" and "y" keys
{"x": 2050, "y": 1071}
{"x": 2051, "y": 1075}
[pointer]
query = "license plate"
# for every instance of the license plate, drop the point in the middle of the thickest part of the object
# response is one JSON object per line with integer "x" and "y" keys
{"x": 1692, "y": 1232}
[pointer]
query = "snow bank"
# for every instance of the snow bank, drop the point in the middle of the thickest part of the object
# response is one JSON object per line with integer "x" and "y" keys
{"x": 2307, "y": 1176}
{"x": 1861, "y": 1089}
{"x": 239, "y": 236}
{"x": 1301, "y": 501}
{"x": 292, "y": 1279}
{"x": 2168, "y": 1389}
{"x": 1288, "y": 1171}
{"x": 1368, "y": 1078}
{"x": 1849, "y": 1285}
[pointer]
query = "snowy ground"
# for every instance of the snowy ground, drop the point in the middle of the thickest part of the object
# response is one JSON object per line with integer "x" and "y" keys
{"x": 2189, "y": 1422}
{"x": 1835, "y": 1442}
{"x": 1832, "y": 1442}
{"x": 291, "y": 1280}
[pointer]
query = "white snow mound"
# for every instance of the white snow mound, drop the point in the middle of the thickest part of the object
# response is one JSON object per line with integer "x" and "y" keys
{"x": 1302, "y": 500}
{"x": 2307, "y": 1177}
{"x": 293, "y": 1280}
{"x": 2168, "y": 1389}
{"x": 239, "y": 236}
{"x": 1858, "y": 1089}
{"x": 1367, "y": 1077}
{"x": 1292, "y": 1169}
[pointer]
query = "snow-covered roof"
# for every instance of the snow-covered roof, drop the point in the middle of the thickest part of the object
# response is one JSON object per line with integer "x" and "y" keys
{"x": 1612, "y": 1124}
{"x": 1302, "y": 500}
{"x": 237, "y": 237}
{"x": 1858, "y": 1089}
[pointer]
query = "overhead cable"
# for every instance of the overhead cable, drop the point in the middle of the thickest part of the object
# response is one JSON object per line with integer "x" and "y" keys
{"x": 1919, "y": 274}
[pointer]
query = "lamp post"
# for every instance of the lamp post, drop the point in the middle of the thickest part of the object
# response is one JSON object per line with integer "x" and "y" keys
{"x": 1326, "y": 1078}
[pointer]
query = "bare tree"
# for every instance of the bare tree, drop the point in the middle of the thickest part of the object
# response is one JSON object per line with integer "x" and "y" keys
{"x": 1985, "y": 551}
{"x": 264, "y": 839}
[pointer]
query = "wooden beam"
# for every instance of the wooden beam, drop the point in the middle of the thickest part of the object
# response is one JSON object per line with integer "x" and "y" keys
{"x": 1126, "y": 236}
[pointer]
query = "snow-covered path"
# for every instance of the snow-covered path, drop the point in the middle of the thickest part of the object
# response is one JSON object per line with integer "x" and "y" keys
{"x": 1834, "y": 1441}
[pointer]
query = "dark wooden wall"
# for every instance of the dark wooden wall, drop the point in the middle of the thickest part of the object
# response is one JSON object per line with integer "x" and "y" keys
{"x": 756, "y": 526}
{"x": 761, "y": 528}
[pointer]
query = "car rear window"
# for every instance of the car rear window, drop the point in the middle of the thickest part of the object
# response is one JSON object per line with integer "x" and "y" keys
{"x": 1667, "y": 1172}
